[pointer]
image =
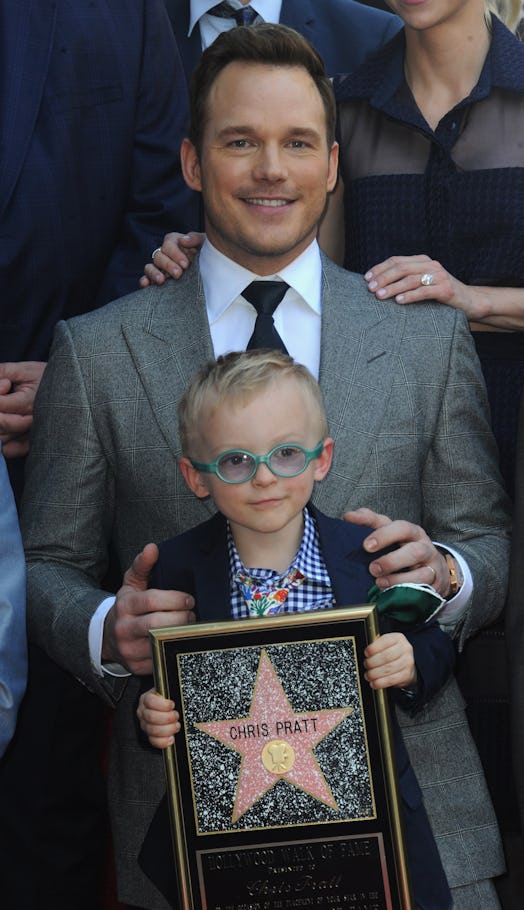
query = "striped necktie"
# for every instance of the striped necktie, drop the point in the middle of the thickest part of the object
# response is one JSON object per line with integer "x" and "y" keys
{"x": 224, "y": 10}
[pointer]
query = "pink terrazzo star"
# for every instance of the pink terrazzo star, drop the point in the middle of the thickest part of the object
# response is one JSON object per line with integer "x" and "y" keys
{"x": 275, "y": 742}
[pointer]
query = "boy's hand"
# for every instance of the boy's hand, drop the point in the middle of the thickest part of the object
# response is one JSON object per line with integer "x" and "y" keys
{"x": 158, "y": 719}
{"x": 389, "y": 662}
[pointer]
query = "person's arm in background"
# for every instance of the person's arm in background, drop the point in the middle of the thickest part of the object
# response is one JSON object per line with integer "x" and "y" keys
{"x": 13, "y": 649}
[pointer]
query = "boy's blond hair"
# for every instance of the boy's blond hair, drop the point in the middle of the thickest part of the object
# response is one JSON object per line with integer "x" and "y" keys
{"x": 237, "y": 377}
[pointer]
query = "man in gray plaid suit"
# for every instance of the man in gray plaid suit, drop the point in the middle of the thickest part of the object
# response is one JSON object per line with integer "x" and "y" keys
{"x": 405, "y": 404}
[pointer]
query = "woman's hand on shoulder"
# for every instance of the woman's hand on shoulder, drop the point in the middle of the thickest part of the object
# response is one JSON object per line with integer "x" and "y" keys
{"x": 172, "y": 258}
{"x": 413, "y": 279}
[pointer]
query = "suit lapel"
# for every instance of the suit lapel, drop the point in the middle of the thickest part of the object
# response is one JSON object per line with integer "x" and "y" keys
{"x": 345, "y": 559}
{"x": 27, "y": 41}
{"x": 300, "y": 15}
{"x": 171, "y": 343}
{"x": 189, "y": 48}
{"x": 211, "y": 571}
{"x": 358, "y": 361}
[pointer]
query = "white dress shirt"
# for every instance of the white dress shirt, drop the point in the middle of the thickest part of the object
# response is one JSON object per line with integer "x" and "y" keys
{"x": 232, "y": 317}
{"x": 211, "y": 26}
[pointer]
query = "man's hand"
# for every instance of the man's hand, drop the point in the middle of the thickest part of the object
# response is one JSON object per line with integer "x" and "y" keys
{"x": 138, "y": 609}
{"x": 389, "y": 661}
{"x": 18, "y": 386}
{"x": 415, "y": 558}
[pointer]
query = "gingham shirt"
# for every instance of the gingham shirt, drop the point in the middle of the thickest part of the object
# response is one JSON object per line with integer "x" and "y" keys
{"x": 313, "y": 594}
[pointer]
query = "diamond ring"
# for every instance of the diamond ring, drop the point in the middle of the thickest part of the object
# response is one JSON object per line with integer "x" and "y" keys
{"x": 426, "y": 279}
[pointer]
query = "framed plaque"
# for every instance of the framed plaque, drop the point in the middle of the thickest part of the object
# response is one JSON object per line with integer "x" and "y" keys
{"x": 281, "y": 782}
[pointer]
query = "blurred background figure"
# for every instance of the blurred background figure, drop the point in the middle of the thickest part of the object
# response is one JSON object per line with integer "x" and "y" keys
{"x": 92, "y": 113}
{"x": 344, "y": 32}
{"x": 13, "y": 651}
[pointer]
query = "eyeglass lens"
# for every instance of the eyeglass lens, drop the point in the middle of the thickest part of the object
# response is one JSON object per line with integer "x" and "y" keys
{"x": 284, "y": 461}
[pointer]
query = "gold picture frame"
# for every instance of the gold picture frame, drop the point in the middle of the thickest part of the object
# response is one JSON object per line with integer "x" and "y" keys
{"x": 281, "y": 783}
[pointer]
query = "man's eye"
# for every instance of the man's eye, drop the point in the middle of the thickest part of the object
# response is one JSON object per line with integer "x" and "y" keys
{"x": 298, "y": 144}
{"x": 239, "y": 144}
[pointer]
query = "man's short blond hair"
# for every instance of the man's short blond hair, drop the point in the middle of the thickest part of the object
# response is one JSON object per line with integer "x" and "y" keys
{"x": 238, "y": 377}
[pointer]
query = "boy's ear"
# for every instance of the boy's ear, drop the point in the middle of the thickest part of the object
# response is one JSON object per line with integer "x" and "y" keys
{"x": 193, "y": 478}
{"x": 323, "y": 462}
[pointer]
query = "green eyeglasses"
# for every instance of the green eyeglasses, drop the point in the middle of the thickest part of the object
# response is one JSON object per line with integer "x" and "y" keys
{"x": 237, "y": 466}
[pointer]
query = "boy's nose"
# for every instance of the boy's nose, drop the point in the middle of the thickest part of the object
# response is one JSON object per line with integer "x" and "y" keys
{"x": 263, "y": 474}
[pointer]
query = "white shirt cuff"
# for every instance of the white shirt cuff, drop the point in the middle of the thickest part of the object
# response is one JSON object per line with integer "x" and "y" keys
{"x": 95, "y": 640}
{"x": 453, "y": 609}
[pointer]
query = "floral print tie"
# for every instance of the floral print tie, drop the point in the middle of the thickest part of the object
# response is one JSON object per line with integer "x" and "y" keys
{"x": 262, "y": 599}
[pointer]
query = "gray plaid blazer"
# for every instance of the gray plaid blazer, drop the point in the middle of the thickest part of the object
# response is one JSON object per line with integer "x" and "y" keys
{"x": 407, "y": 408}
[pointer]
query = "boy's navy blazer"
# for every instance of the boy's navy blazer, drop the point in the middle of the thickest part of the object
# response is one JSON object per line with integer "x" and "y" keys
{"x": 197, "y": 562}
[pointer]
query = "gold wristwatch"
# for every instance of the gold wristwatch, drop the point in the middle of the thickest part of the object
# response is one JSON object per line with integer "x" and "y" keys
{"x": 455, "y": 583}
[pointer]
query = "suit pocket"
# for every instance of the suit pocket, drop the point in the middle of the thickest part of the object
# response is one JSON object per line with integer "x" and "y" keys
{"x": 86, "y": 98}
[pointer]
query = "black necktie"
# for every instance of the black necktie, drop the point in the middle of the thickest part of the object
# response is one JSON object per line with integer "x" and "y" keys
{"x": 244, "y": 16}
{"x": 265, "y": 296}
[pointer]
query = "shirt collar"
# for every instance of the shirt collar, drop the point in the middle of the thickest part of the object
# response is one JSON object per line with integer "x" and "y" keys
{"x": 224, "y": 280}
{"x": 506, "y": 58}
{"x": 268, "y": 10}
{"x": 307, "y": 559}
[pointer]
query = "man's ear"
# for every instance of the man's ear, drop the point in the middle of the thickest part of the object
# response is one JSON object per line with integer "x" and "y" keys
{"x": 193, "y": 478}
{"x": 332, "y": 168}
{"x": 323, "y": 462}
{"x": 190, "y": 165}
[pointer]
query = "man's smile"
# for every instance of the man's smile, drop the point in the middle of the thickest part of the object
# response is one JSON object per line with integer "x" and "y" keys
{"x": 270, "y": 202}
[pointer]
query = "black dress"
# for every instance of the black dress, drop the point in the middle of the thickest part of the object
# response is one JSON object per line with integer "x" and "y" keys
{"x": 456, "y": 193}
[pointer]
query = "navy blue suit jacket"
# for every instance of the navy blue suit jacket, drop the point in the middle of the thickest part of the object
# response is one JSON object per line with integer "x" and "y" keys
{"x": 196, "y": 562}
{"x": 344, "y": 32}
{"x": 92, "y": 112}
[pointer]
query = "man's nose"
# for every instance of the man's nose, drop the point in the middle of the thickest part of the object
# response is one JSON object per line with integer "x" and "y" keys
{"x": 271, "y": 164}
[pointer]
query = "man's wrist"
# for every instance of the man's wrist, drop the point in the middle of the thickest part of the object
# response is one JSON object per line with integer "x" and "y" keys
{"x": 96, "y": 636}
{"x": 456, "y": 579}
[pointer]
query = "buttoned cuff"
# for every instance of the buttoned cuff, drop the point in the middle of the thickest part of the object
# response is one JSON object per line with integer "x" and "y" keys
{"x": 95, "y": 640}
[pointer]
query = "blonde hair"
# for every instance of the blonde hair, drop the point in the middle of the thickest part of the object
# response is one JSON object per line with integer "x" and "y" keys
{"x": 238, "y": 377}
{"x": 509, "y": 11}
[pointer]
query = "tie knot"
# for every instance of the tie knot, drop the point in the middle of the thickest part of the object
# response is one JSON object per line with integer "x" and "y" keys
{"x": 265, "y": 296}
{"x": 244, "y": 16}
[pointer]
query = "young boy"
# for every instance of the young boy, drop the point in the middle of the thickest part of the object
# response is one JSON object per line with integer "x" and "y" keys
{"x": 254, "y": 437}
